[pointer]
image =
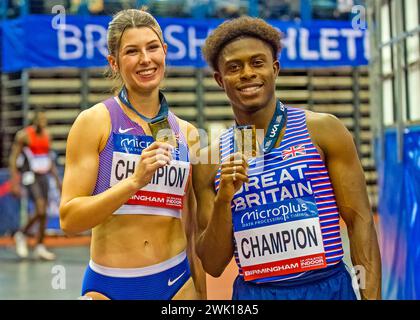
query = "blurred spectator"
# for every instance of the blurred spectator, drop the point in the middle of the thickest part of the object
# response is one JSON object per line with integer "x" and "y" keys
{"x": 279, "y": 9}
{"x": 324, "y": 9}
{"x": 227, "y": 8}
{"x": 168, "y": 8}
{"x": 198, "y": 8}
{"x": 11, "y": 9}
{"x": 37, "y": 7}
{"x": 93, "y": 6}
{"x": 334, "y": 9}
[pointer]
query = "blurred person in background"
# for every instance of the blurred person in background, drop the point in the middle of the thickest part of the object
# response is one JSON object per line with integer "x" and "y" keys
{"x": 30, "y": 164}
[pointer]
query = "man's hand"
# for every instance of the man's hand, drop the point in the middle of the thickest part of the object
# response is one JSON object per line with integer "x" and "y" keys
{"x": 15, "y": 188}
{"x": 234, "y": 172}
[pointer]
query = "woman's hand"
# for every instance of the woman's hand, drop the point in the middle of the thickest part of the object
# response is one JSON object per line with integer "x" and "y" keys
{"x": 155, "y": 156}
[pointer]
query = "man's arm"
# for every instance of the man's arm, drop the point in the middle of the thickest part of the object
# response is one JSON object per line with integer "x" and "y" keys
{"x": 189, "y": 214}
{"x": 347, "y": 178}
{"x": 215, "y": 241}
{"x": 18, "y": 145}
{"x": 54, "y": 173}
{"x": 190, "y": 224}
{"x": 54, "y": 169}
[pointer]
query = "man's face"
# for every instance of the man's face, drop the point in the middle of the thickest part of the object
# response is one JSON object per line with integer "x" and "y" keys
{"x": 41, "y": 120}
{"x": 247, "y": 73}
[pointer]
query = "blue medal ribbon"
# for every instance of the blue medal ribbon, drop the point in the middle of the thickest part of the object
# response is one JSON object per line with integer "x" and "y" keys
{"x": 277, "y": 123}
{"x": 163, "y": 111}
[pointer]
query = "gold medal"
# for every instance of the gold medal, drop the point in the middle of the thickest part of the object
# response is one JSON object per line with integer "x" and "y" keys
{"x": 246, "y": 140}
{"x": 162, "y": 132}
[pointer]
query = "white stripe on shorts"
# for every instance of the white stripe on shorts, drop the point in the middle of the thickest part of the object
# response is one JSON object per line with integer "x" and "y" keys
{"x": 138, "y": 272}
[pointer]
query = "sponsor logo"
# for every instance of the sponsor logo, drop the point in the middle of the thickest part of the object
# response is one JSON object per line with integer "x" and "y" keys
{"x": 289, "y": 266}
{"x": 174, "y": 201}
{"x": 311, "y": 262}
{"x": 282, "y": 212}
{"x": 134, "y": 143}
{"x": 148, "y": 199}
{"x": 274, "y": 130}
{"x": 172, "y": 282}
{"x": 120, "y": 130}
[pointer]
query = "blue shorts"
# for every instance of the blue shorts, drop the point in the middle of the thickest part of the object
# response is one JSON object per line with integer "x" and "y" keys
{"x": 157, "y": 282}
{"x": 332, "y": 283}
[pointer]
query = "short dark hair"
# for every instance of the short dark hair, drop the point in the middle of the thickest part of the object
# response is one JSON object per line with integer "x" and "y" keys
{"x": 37, "y": 111}
{"x": 240, "y": 27}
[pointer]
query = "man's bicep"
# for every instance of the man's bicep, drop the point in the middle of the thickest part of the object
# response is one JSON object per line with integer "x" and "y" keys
{"x": 20, "y": 141}
{"x": 17, "y": 147}
{"x": 347, "y": 177}
{"x": 204, "y": 193}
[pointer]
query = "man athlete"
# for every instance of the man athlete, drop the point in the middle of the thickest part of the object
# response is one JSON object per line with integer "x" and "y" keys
{"x": 278, "y": 213}
{"x": 30, "y": 164}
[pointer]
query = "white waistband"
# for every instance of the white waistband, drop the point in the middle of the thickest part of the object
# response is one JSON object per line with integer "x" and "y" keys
{"x": 138, "y": 272}
{"x": 147, "y": 210}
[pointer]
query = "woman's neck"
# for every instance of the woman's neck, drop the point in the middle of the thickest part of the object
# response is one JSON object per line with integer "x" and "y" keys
{"x": 147, "y": 104}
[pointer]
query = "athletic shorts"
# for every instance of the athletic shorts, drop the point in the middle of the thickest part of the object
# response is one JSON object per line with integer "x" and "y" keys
{"x": 156, "y": 282}
{"x": 333, "y": 283}
{"x": 39, "y": 188}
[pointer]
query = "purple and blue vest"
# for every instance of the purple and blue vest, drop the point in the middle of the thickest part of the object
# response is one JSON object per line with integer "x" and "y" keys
{"x": 164, "y": 195}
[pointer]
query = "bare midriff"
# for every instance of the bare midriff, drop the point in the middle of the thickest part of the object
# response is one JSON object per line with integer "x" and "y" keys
{"x": 136, "y": 241}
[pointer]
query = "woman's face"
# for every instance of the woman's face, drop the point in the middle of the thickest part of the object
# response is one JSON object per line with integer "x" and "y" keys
{"x": 141, "y": 60}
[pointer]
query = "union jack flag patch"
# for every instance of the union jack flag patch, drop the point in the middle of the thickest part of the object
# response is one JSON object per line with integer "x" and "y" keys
{"x": 293, "y": 151}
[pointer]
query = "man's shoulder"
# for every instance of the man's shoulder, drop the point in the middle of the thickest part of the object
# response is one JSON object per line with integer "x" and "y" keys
{"x": 22, "y": 135}
{"x": 325, "y": 129}
{"x": 319, "y": 122}
{"x": 320, "y": 118}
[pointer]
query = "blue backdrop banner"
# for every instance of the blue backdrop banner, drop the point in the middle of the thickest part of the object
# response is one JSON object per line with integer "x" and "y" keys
{"x": 42, "y": 41}
{"x": 399, "y": 205}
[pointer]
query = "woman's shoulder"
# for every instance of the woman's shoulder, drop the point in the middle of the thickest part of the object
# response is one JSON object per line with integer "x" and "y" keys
{"x": 187, "y": 128}
{"x": 93, "y": 120}
{"x": 97, "y": 111}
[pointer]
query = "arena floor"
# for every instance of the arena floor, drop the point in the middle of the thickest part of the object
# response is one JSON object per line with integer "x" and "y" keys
{"x": 37, "y": 280}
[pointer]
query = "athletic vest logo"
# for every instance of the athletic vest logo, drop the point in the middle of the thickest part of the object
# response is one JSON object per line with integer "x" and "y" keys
{"x": 293, "y": 151}
{"x": 122, "y": 131}
{"x": 274, "y": 130}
